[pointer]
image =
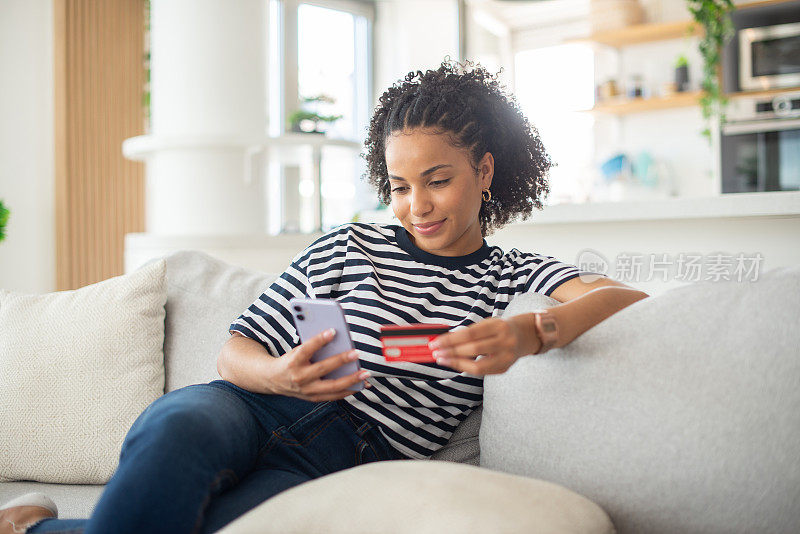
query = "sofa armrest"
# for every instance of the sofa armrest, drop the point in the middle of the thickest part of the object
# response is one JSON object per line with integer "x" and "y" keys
{"x": 681, "y": 412}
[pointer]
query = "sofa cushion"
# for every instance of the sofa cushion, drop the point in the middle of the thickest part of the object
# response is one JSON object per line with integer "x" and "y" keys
{"x": 204, "y": 295}
{"x": 421, "y": 497}
{"x": 463, "y": 446}
{"x": 680, "y": 413}
{"x": 77, "y": 368}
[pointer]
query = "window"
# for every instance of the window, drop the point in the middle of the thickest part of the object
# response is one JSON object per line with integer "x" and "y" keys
{"x": 320, "y": 48}
{"x": 552, "y": 85}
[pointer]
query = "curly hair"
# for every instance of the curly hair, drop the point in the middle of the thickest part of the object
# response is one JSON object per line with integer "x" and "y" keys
{"x": 466, "y": 102}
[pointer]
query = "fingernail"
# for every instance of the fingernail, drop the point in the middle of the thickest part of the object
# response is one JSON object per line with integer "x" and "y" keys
{"x": 439, "y": 353}
{"x": 367, "y": 385}
{"x": 363, "y": 375}
{"x": 442, "y": 361}
{"x": 433, "y": 344}
{"x": 352, "y": 355}
{"x": 330, "y": 332}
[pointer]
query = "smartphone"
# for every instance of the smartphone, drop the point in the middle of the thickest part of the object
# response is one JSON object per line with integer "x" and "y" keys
{"x": 312, "y": 317}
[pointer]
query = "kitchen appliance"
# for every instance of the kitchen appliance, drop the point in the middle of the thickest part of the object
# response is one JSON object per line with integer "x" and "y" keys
{"x": 769, "y": 57}
{"x": 760, "y": 144}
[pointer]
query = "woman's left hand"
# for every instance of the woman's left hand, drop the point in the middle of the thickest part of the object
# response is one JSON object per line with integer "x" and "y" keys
{"x": 500, "y": 341}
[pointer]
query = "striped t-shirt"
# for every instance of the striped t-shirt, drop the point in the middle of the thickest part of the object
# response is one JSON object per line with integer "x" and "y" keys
{"x": 380, "y": 277}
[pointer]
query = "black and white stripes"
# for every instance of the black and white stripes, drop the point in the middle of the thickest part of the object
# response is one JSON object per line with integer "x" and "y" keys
{"x": 379, "y": 277}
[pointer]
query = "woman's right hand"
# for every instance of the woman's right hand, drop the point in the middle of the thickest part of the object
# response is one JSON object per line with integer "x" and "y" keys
{"x": 296, "y": 376}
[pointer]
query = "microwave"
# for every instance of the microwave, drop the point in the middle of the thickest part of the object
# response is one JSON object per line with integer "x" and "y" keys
{"x": 769, "y": 57}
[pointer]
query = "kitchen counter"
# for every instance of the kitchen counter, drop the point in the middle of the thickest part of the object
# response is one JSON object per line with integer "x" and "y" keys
{"x": 763, "y": 224}
{"x": 768, "y": 204}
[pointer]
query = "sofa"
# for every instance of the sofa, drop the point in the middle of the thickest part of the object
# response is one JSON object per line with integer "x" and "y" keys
{"x": 680, "y": 413}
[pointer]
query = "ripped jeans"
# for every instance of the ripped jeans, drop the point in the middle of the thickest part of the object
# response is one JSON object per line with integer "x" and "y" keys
{"x": 201, "y": 456}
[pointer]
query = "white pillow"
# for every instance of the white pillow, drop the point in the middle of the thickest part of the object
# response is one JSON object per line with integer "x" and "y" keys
{"x": 424, "y": 497}
{"x": 76, "y": 369}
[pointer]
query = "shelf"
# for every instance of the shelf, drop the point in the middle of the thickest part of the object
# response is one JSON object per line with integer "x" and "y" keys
{"x": 762, "y": 3}
{"x": 649, "y": 32}
{"x": 645, "y": 33}
{"x": 758, "y": 94}
{"x": 624, "y": 106}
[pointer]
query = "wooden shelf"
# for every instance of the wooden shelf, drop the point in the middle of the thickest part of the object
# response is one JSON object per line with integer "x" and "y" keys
{"x": 652, "y": 32}
{"x": 662, "y": 31}
{"x": 624, "y": 106}
{"x": 645, "y": 33}
{"x": 762, "y": 3}
{"x": 758, "y": 94}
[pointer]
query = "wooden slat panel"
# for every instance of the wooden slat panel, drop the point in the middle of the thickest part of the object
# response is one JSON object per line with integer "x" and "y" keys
{"x": 61, "y": 123}
{"x": 99, "y": 77}
{"x": 76, "y": 181}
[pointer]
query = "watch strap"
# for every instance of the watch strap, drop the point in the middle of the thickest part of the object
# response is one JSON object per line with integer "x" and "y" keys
{"x": 546, "y": 329}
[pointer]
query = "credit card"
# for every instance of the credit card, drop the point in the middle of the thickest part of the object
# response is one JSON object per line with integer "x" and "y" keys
{"x": 409, "y": 342}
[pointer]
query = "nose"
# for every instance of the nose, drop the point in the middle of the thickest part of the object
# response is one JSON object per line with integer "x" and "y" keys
{"x": 420, "y": 202}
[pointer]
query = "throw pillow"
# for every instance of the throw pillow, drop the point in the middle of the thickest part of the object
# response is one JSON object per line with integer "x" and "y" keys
{"x": 204, "y": 295}
{"x": 421, "y": 497}
{"x": 77, "y": 368}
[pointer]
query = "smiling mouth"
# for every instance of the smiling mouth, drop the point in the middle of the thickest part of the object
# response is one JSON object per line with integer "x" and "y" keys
{"x": 428, "y": 225}
{"x": 429, "y": 229}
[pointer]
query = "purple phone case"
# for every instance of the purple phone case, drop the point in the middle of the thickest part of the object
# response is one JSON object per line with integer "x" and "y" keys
{"x": 319, "y": 315}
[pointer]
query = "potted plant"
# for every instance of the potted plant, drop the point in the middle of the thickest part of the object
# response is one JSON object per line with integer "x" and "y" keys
{"x": 681, "y": 74}
{"x": 308, "y": 119}
{"x": 715, "y": 18}
{"x": 3, "y": 220}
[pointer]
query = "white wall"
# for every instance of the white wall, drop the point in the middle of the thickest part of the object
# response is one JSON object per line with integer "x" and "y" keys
{"x": 670, "y": 136}
{"x": 673, "y": 136}
{"x": 27, "y": 255}
{"x": 412, "y": 35}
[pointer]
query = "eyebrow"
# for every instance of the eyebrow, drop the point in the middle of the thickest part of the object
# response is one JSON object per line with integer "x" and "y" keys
{"x": 424, "y": 173}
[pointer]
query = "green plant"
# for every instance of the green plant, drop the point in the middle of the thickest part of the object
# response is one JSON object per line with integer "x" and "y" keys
{"x": 715, "y": 18}
{"x": 325, "y": 99}
{"x": 3, "y": 220}
{"x": 303, "y": 115}
{"x": 681, "y": 62}
{"x": 297, "y": 117}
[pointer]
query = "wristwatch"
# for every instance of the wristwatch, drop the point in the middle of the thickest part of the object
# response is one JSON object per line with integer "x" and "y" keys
{"x": 546, "y": 328}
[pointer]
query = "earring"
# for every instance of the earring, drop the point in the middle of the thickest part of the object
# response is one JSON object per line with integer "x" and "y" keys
{"x": 486, "y": 195}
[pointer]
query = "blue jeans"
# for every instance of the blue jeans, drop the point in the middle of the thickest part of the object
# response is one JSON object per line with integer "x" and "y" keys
{"x": 199, "y": 457}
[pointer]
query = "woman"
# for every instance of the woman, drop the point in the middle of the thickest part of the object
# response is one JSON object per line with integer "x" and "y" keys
{"x": 456, "y": 159}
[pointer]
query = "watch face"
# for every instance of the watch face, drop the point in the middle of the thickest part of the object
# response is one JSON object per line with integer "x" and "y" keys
{"x": 547, "y": 330}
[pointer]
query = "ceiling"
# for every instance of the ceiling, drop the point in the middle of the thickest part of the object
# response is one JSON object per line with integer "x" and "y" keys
{"x": 519, "y": 14}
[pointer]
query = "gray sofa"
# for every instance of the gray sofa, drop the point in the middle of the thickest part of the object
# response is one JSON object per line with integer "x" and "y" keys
{"x": 681, "y": 413}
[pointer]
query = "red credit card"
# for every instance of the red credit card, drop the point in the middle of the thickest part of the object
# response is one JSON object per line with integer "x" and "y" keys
{"x": 409, "y": 342}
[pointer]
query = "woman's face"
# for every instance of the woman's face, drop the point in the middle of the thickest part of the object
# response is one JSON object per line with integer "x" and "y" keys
{"x": 435, "y": 192}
